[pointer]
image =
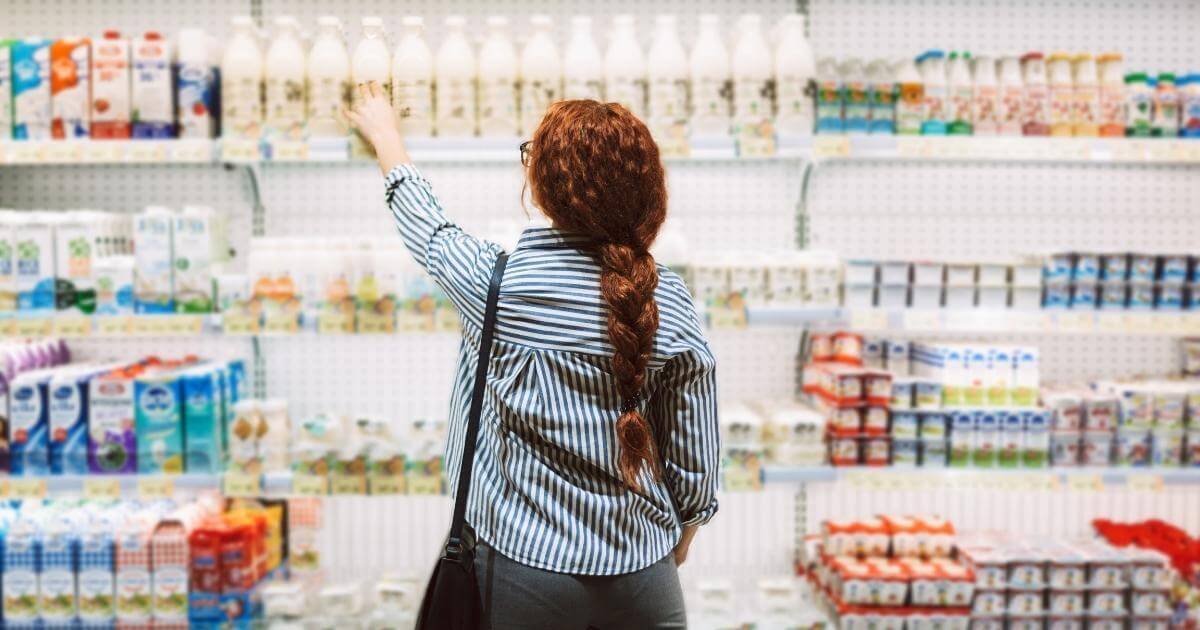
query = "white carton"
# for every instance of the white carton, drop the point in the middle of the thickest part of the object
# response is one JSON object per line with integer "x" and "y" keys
{"x": 153, "y": 263}
{"x": 999, "y": 378}
{"x": 152, "y": 101}
{"x": 31, "y": 89}
{"x": 70, "y": 81}
{"x": 5, "y": 90}
{"x": 195, "y": 245}
{"x": 114, "y": 285}
{"x": 1025, "y": 376}
{"x": 74, "y": 253}
{"x": 110, "y": 87}
{"x": 8, "y": 274}
{"x": 34, "y": 263}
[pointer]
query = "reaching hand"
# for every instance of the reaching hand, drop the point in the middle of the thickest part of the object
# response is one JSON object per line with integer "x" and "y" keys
{"x": 374, "y": 118}
{"x": 685, "y": 542}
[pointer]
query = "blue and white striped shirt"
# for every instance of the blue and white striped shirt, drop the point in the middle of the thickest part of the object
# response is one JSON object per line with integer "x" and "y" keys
{"x": 547, "y": 490}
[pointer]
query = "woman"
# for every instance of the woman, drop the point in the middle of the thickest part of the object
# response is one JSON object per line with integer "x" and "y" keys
{"x": 598, "y": 448}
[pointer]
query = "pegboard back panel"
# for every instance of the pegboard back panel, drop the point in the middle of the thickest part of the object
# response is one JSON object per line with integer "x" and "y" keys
{"x": 719, "y": 205}
{"x": 59, "y": 18}
{"x": 971, "y": 210}
{"x": 1153, "y": 35}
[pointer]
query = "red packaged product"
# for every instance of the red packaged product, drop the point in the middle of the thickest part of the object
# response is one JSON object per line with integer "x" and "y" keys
{"x": 206, "y": 546}
{"x": 237, "y": 557}
{"x": 848, "y": 348}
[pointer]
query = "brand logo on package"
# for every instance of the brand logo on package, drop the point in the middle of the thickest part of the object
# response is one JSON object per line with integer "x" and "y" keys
{"x": 64, "y": 392}
{"x": 157, "y": 400}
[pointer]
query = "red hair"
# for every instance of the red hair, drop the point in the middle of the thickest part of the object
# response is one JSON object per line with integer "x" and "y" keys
{"x": 595, "y": 170}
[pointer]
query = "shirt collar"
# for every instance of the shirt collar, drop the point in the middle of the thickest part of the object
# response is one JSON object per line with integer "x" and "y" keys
{"x": 546, "y": 237}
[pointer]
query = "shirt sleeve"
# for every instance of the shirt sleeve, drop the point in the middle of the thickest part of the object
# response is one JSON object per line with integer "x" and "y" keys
{"x": 689, "y": 442}
{"x": 459, "y": 263}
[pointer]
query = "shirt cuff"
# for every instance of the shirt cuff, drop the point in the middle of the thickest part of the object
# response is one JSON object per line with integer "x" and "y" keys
{"x": 398, "y": 175}
{"x": 703, "y": 516}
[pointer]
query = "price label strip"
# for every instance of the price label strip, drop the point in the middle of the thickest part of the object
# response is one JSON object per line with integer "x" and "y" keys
{"x": 241, "y": 485}
{"x": 310, "y": 485}
{"x": 156, "y": 487}
{"x": 102, "y": 489}
{"x": 27, "y": 488}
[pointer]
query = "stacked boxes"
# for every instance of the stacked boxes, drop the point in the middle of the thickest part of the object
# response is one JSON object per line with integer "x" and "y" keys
{"x": 923, "y": 284}
{"x": 1118, "y": 281}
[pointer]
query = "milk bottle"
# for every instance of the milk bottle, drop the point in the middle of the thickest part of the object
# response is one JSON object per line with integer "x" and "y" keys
{"x": 985, "y": 97}
{"x": 753, "y": 112}
{"x": 583, "y": 68}
{"x": 1166, "y": 106}
{"x": 110, "y": 87}
{"x": 831, "y": 97}
{"x": 1035, "y": 105}
{"x": 667, "y": 69}
{"x": 498, "y": 113}
{"x": 1085, "y": 106}
{"x": 933, "y": 75}
{"x": 541, "y": 73}
{"x": 1011, "y": 98}
{"x": 151, "y": 87}
{"x": 31, "y": 89}
{"x": 455, "y": 82}
{"x": 328, "y": 80}
{"x": 1110, "y": 114}
{"x": 371, "y": 62}
{"x": 285, "y": 81}
{"x": 910, "y": 106}
{"x": 412, "y": 80}
{"x": 625, "y": 67}
{"x": 1139, "y": 108}
{"x": 881, "y": 93}
{"x": 711, "y": 80}
{"x": 241, "y": 82}
{"x": 1062, "y": 95}
{"x": 795, "y": 68}
{"x": 857, "y": 108}
{"x": 195, "y": 85}
{"x": 70, "y": 87}
{"x": 959, "y": 92}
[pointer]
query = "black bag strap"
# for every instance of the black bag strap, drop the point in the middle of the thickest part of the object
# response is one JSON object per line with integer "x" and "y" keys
{"x": 454, "y": 544}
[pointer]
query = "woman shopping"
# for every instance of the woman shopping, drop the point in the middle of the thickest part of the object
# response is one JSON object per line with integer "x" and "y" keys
{"x": 597, "y": 450}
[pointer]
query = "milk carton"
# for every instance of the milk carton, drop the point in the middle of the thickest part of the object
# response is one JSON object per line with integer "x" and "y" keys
{"x": 31, "y": 89}
{"x": 194, "y": 247}
{"x": 69, "y": 392}
{"x": 202, "y": 419}
{"x": 74, "y": 251}
{"x": 58, "y": 598}
{"x": 97, "y": 581}
{"x": 195, "y": 85}
{"x": 153, "y": 103}
{"x": 114, "y": 285}
{"x": 8, "y": 276}
{"x": 70, "y": 72}
{"x": 169, "y": 572}
{"x": 34, "y": 262}
{"x": 158, "y": 420}
{"x": 6, "y": 89}
{"x": 112, "y": 441}
{"x": 153, "y": 272}
{"x": 28, "y": 419}
{"x": 132, "y": 552}
{"x": 22, "y": 565}
{"x": 110, "y": 87}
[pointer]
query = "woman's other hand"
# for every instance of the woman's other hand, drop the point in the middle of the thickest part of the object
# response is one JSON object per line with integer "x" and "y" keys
{"x": 375, "y": 120}
{"x": 685, "y": 542}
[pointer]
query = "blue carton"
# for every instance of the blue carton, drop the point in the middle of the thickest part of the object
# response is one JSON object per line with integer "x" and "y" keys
{"x": 28, "y": 430}
{"x": 202, "y": 421}
{"x": 158, "y": 421}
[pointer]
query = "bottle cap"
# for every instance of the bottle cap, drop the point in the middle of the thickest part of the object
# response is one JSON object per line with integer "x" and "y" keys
{"x": 455, "y": 21}
{"x": 372, "y": 21}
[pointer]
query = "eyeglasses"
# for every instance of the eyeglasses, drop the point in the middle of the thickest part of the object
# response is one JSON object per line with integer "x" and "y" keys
{"x": 525, "y": 152}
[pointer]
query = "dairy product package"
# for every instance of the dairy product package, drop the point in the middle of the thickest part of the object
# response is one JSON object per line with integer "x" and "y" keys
{"x": 754, "y": 119}
{"x": 153, "y": 263}
{"x": 31, "y": 89}
{"x": 22, "y": 562}
{"x": 370, "y": 63}
{"x": 70, "y": 88}
{"x": 151, "y": 88}
{"x": 195, "y": 243}
{"x": 328, "y": 80}
{"x": 625, "y": 67}
{"x": 284, "y": 78}
{"x": 67, "y": 418}
{"x": 132, "y": 562}
{"x": 6, "y": 89}
{"x": 712, "y": 80}
{"x": 8, "y": 276}
{"x": 668, "y": 87}
{"x": 541, "y": 73}
{"x": 456, "y": 76}
{"x": 202, "y": 418}
{"x": 28, "y": 418}
{"x": 111, "y": 112}
{"x": 169, "y": 573}
{"x": 158, "y": 420}
{"x": 195, "y": 85}
{"x": 74, "y": 253}
{"x": 241, "y": 82}
{"x": 498, "y": 112}
{"x": 58, "y": 599}
{"x": 34, "y": 262}
{"x": 583, "y": 66}
{"x": 97, "y": 583}
{"x": 112, "y": 441}
{"x": 114, "y": 285}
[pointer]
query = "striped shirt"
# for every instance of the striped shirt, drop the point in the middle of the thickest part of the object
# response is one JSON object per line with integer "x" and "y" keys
{"x": 547, "y": 490}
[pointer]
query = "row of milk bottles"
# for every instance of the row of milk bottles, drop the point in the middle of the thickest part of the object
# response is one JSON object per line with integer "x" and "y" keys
{"x": 499, "y": 92}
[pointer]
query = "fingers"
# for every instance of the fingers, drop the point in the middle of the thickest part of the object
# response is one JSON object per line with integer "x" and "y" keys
{"x": 351, "y": 117}
{"x": 376, "y": 89}
{"x": 364, "y": 91}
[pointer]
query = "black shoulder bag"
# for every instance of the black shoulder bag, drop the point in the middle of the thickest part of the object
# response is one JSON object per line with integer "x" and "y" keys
{"x": 452, "y": 597}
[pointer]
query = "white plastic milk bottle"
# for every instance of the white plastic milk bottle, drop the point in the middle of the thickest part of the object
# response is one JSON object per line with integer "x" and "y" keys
{"x": 412, "y": 80}
{"x": 1085, "y": 107}
{"x": 933, "y": 75}
{"x": 1111, "y": 114}
{"x": 712, "y": 80}
{"x": 328, "y": 80}
{"x": 541, "y": 73}
{"x": 753, "y": 69}
{"x": 985, "y": 97}
{"x": 1062, "y": 95}
{"x": 1011, "y": 102}
{"x": 625, "y": 67}
{"x": 371, "y": 62}
{"x": 285, "y": 81}
{"x": 959, "y": 91}
{"x": 910, "y": 106}
{"x": 1035, "y": 108}
{"x": 668, "y": 72}
{"x": 455, "y": 82}
{"x": 795, "y": 67}
{"x": 498, "y": 81}
{"x": 195, "y": 84}
{"x": 241, "y": 82}
{"x": 583, "y": 67}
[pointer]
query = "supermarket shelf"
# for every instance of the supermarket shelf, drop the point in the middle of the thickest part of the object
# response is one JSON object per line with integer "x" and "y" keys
{"x": 116, "y": 326}
{"x": 1009, "y": 149}
{"x": 1082, "y": 478}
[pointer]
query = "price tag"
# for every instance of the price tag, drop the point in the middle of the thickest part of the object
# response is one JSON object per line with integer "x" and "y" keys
{"x": 831, "y": 146}
{"x": 1145, "y": 482}
{"x": 1085, "y": 483}
{"x": 149, "y": 325}
{"x": 101, "y": 488}
{"x": 869, "y": 320}
{"x": 26, "y": 152}
{"x": 335, "y": 324}
{"x": 156, "y": 487}
{"x": 424, "y": 484}
{"x": 1128, "y": 150}
{"x": 922, "y": 320}
{"x": 241, "y": 485}
{"x": 1190, "y": 323}
{"x": 239, "y": 150}
{"x": 348, "y": 484}
{"x": 63, "y": 152}
{"x": 1158, "y": 150}
{"x": 287, "y": 151}
{"x": 33, "y": 327}
{"x": 239, "y": 324}
{"x": 184, "y": 325}
{"x": 8, "y": 328}
{"x": 103, "y": 151}
{"x": 146, "y": 151}
{"x": 72, "y": 327}
{"x": 372, "y": 323}
{"x": 285, "y": 325}
{"x": 112, "y": 326}
{"x": 1076, "y": 322}
{"x": 310, "y": 485}
{"x": 26, "y": 488}
{"x": 910, "y": 147}
{"x": 191, "y": 151}
{"x": 387, "y": 484}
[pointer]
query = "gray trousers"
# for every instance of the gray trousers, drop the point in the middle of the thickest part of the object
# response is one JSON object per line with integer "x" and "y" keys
{"x": 517, "y": 596}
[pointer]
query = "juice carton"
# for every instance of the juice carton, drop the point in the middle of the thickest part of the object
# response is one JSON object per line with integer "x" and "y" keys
{"x": 133, "y": 570}
{"x": 203, "y": 437}
{"x": 110, "y": 87}
{"x": 151, "y": 89}
{"x": 97, "y": 580}
{"x": 153, "y": 272}
{"x": 6, "y": 89}
{"x": 70, "y": 88}
{"x": 204, "y": 594}
{"x": 195, "y": 245}
{"x": 8, "y": 276}
{"x": 74, "y": 253}
{"x": 31, "y": 89}
{"x": 112, "y": 440}
{"x": 158, "y": 420}
{"x": 28, "y": 417}
{"x": 114, "y": 285}
{"x": 58, "y": 599}
{"x": 22, "y": 566}
{"x": 169, "y": 572}
{"x": 34, "y": 263}
{"x": 196, "y": 84}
